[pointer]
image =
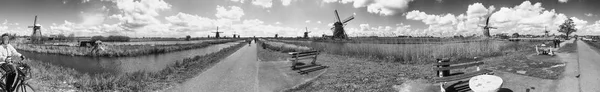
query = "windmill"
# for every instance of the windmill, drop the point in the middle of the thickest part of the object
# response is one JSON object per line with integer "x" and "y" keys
{"x": 217, "y": 33}
{"x": 36, "y": 36}
{"x": 338, "y": 26}
{"x": 546, "y": 32}
{"x": 276, "y": 35}
{"x": 487, "y": 27}
{"x": 306, "y": 32}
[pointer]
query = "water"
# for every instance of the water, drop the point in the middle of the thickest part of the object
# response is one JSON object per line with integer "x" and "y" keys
{"x": 119, "y": 65}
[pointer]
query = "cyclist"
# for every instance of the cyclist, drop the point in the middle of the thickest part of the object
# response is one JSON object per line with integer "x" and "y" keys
{"x": 6, "y": 51}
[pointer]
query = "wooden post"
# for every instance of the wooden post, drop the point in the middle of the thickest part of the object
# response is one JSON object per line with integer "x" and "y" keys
{"x": 315, "y": 58}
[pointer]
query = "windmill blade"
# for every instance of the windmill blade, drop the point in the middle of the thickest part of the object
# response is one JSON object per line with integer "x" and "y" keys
{"x": 487, "y": 21}
{"x": 492, "y": 28}
{"x": 348, "y": 19}
{"x": 337, "y": 16}
{"x": 332, "y": 28}
{"x": 306, "y": 29}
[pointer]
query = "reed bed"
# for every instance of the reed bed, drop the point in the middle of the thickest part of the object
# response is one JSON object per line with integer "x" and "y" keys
{"x": 48, "y": 77}
{"x": 416, "y": 53}
{"x": 115, "y": 50}
{"x": 282, "y": 47}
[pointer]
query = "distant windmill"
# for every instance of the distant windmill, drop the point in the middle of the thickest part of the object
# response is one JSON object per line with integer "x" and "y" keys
{"x": 338, "y": 27}
{"x": 217, "y": 33}
{"x": 36, "y": 35}
{"x": 546, "y": 32}
{"x": 276, "y": 35}
{"x": 487, "y": 27}
{"x": 306, "y": 32}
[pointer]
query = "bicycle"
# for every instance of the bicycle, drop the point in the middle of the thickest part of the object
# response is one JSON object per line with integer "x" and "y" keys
{"x": 22, "y": 73}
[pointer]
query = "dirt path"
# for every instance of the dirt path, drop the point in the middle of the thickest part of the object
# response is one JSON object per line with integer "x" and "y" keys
{"x": 236, "y": 73}
{"x": 589, "y": 66}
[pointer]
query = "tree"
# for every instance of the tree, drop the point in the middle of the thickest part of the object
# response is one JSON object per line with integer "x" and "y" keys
{"x": 188, "y": 37}
{"x": 71, "y": 37}
{"x": 515, "y": 35}
{"x": 95, "y": 38}
{"x": 568, "y": 27}
{"x": 61, "y": 37}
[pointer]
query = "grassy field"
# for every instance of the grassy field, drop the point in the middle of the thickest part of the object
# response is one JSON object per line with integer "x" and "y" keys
{"x": 417, "y": 53}
{"x": 49, "y": 77}
{"x": 115, "y": 50}
{"x": 391, "y": 40}
{"x": 349, "y": 73}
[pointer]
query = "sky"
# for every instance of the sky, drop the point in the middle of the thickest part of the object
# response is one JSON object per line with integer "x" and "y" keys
{"x": 290, "y": 18}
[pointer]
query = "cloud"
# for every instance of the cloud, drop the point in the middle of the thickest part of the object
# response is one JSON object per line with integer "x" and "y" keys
{"x": 381, "y": 7}
{"x": 278, "y": 23}
{"x": 307, "y": 21}
{"x": 137, "y": 14}
{"x": 235, "y": 13}
{"x": 183, "y": 22}
{"x": 563, "y": 1}
{"x": 263, "y": 3}
{"x": 388, "y": 31}
{"x": 286, "y": 2}
{"x": 525, "y": 18}
{"x": 241, "y": 1}
{"x": 589, "y": 14}
{"x": 319, "y": 22}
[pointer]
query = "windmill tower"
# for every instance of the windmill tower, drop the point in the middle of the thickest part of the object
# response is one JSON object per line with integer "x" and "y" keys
{"x": 276, "y": 35}
{"x": 36, "y": 35}
{"x": 546, "y": 32}
{"x": 306, "y": 33}
{"x": 487, "y": 27}
{"x": 217, "y": 33}
{"x": 338, "y": 26}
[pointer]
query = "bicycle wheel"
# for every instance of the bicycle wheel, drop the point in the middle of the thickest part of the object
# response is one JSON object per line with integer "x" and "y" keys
{"x": 25, "y": 88}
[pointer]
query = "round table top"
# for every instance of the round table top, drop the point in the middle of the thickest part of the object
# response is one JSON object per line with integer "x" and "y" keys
{"x": 485, "y": 82}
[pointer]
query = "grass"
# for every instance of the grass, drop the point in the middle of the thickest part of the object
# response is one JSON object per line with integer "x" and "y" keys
{"x": 417, "y": 53}
{"x": 390, "y": 40}
{"x": 115, "y": 50}
{"x": 55, "y": 78}
{"x": 350, "y": 73}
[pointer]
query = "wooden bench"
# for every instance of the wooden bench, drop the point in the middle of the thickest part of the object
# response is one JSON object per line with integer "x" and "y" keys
{"x": 303, "y": 67}
{"x": 444, "y": 66}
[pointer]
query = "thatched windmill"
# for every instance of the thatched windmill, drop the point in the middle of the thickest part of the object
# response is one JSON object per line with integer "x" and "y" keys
{"x": 338, "y": 26}
{"x": 306, "y": 32}
{"x": 487, "y": 27}
{"x": 36, "y": 35}
{"x": 217, "y": 33}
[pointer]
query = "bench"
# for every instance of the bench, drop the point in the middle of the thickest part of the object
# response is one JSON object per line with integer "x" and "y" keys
{"x": 444, "y": 66}
{"x": 543, "y": 50}
{"x": 303, "y": 67}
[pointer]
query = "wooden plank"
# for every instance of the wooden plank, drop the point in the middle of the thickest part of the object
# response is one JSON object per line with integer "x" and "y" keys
{"x": 305, "y": 55}
{"x": 305, "y": 66}
{"x": 457, "y": 66}
{"x": 295, "y": 53}
{"x": 312, "y": 69}
{"x": 462, "y": 76}
{"x": 300, "y": 58}
{"x": 452, "y": 63}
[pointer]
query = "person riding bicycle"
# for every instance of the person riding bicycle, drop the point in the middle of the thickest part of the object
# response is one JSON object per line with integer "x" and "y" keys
{"x": 6, "y": 51}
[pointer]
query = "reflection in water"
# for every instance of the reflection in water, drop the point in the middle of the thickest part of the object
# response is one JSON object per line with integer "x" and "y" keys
{"x": 148, "y": 63}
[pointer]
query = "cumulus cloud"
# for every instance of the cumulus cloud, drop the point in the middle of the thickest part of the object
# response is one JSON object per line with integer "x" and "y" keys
{"x": 263, "y": 3}
{"x": 381, "y": 7}
{"x": 563, "y": 1}
{"x": 589, "y": 14}
{"x": 307, "y": 21}
{"x": 234, "y": 13}
{"x": 241, "y": 1}
{"x": 137, "y": 14}
{"x": 525, "y": 18}
{"x": 286, "y": 2}
{"x": 387, "y": 31}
